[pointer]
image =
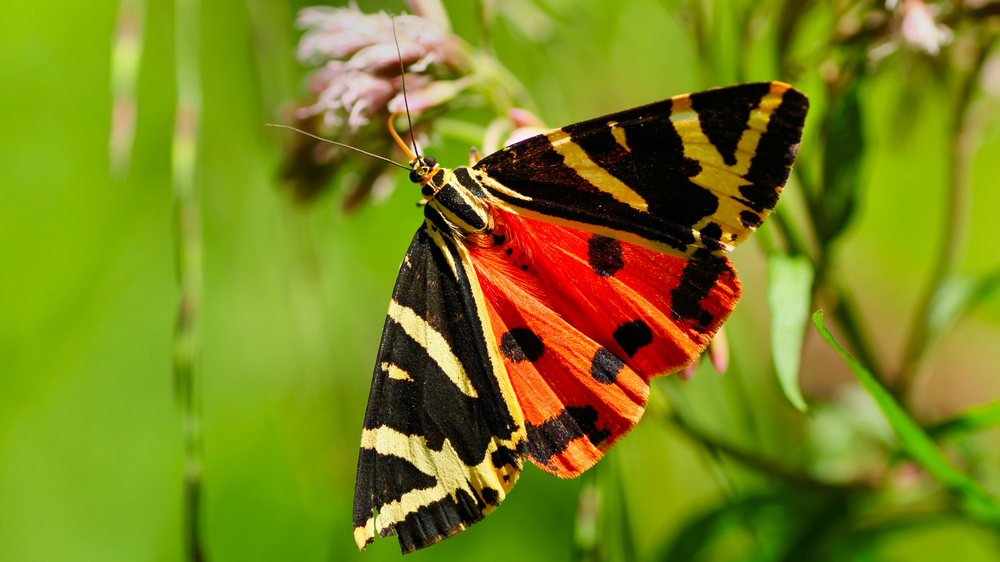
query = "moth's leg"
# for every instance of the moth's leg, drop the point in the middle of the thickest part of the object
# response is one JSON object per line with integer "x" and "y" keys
{"x": 474, "y": 156}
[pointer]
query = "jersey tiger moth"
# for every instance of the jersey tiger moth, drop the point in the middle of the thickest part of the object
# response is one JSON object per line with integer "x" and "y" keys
{"x": 548, "y": 283}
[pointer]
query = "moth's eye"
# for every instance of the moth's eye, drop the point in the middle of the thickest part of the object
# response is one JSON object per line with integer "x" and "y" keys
{"x": 430, "y": 161}
{"x": 414, "y": 176}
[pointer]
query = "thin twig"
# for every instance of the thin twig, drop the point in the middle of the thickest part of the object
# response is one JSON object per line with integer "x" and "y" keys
{"x": 754, "y": 460}
{"x": 189, "y": 263}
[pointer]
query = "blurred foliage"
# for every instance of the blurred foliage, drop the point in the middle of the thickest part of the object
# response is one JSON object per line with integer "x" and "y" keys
{"x": 891, "y": 209}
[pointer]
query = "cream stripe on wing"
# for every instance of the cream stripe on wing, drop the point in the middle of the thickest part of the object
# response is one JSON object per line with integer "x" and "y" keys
{"x": 576, "y": 158}
{"x": 717, "y": 175}
{"x": 446, "y": 467}
{"x": 435, "y": 344}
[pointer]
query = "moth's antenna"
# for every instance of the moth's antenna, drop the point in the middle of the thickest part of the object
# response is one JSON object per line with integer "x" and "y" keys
{"x": 338, "y": 144}
{"x": 402, "y": 79}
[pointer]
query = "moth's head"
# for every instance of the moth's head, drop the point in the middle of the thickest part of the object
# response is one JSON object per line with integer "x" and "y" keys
{"x": 422, "y": 168}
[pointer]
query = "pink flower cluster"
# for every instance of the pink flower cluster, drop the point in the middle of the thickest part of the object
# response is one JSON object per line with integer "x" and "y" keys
{"x": 360, "y": 72}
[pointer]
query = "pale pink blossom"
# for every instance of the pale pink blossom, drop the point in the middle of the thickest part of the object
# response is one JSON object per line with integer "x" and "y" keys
{"x": 358, "y": 80}
{"x": 718, "y": 351}
{"x": 687, "y": 372}
{"x": 432, "y": 11}
{"x": 526, "y": 125}
{"x": 920, "y": 30}
{"x": 357, "y": 93}
{"x": 425, "y": 94}
{"x": 334, "y": 33}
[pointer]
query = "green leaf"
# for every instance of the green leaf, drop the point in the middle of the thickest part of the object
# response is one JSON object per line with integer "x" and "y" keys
{"x": 842, "y": 155}
{"x": 977, "y": 419}
{"x": 970, "y": 495}
{"x": 789, "y": 294}
{"x": 950, "y": 302}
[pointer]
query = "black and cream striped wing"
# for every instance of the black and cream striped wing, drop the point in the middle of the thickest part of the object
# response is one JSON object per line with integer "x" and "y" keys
{"x": 439, "y": 449}
{"x": 696, "y": 171}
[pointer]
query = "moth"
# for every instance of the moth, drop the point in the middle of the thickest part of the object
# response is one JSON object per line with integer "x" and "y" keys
{"x": 547, "y": 284}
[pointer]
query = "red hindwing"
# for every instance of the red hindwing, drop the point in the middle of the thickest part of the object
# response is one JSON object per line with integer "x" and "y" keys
{"x": 583, "y": 321}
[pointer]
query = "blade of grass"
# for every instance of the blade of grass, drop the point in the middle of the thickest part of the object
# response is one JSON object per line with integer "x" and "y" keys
{"x": 970, "y": 495}
{"x": 977, "y": 419}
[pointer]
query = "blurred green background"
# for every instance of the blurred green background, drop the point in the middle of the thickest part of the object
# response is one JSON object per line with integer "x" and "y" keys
{"x": 91, "y": 447}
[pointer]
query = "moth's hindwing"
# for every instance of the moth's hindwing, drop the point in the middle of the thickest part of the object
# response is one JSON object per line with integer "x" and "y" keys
{"x": 583, "y": 321}
{"x": 694, "y": 172}
{"x": 443, "y": 432}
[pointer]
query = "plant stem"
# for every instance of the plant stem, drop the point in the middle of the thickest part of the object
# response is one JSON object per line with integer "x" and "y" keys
{"x": 189, "y": 263}
{"x": 752, "y": 459}
{"x": 126, "y": 59}
{"x": 964, "y": 133}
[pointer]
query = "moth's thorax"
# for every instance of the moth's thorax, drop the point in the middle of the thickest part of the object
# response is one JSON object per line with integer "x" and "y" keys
{"x": 452, "y": 195}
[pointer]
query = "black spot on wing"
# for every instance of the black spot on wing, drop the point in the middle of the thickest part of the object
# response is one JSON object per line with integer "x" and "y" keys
{"x": 521, "y": 344}
{"x": 555, "y": 434}
{"x": 711, "y": 235}
{"x": 697, "y": 279}
{"x": 724, "y": 114}
{"x": 633, "y": 336}
{"x": 490, "y": 496}
{"x": 586, "y": 418}
{"x": 604, "y": 255}
{"x": 605, "y": 366}
{"x": 498, "y": 239}
{"x": 504, "y": 456}
{"x": 750, "y": 219}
